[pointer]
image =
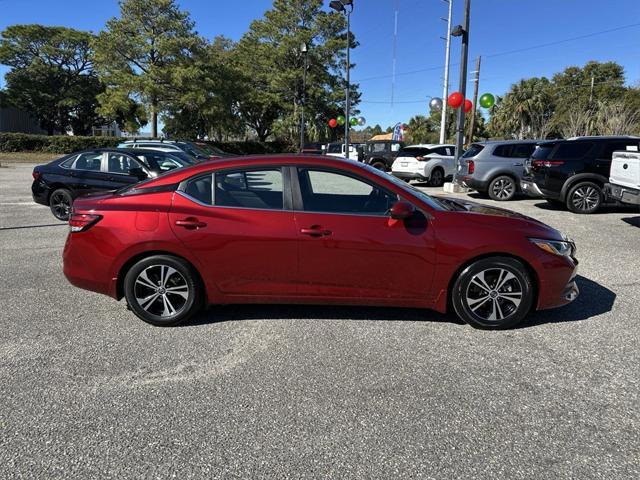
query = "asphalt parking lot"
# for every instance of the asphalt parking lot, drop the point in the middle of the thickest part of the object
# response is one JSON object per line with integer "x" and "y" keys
{"x": 89, "y": 391}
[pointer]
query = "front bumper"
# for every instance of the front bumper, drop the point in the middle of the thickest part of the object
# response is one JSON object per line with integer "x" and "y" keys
{"x": 622, "y": 194}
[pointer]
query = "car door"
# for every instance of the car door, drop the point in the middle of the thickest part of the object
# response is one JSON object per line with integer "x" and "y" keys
{"x": 89, "y": 173}
{"x": 349, "y": 246}
{"x": 240, "y": 226}
{"x": 118, "y": 167}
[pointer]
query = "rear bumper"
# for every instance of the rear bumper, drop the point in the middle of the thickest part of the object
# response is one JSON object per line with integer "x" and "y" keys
{"x": 622, "y": 194}
{"x": 475, "y": 184}
{"x": 409, "y": 175}
{"x": 530, "y": 188}
{"x": 40, "y": 192}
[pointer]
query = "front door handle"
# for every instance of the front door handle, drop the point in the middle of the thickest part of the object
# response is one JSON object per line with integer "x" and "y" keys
{"x": 315, "y": 231}
{"x": 190, "y": 223}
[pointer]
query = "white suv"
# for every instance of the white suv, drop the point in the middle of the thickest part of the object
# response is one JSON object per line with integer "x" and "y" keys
{"x": 428, "y": 162}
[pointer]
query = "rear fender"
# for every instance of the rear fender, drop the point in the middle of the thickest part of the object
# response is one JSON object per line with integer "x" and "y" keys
{"x": 581, "y": 177}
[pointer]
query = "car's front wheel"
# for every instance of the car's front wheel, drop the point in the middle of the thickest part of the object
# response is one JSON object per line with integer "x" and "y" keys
{"x": 60, "y": 203}
{"x": 502, "y": 188}
{"x": 493, "y": 293}
{"x": 163, "y": 290}
{"x": 585, "y": 197}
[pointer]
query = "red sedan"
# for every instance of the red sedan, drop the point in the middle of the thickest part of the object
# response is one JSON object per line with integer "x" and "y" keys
{"x": 317, "y": 230}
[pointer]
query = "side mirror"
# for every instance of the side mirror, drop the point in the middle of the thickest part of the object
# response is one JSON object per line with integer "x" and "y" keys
{"x": 401, "y": 210}
{"x": 139, "y": 173}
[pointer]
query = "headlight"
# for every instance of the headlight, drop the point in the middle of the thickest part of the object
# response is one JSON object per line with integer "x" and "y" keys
{"x": 555, "y": 247}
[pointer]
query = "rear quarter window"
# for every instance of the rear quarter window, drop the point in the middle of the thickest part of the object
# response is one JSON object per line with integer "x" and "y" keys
{"x": 542, "y": 152}
{"x": 572, "y": 150}
{"x": 473, "y": 150}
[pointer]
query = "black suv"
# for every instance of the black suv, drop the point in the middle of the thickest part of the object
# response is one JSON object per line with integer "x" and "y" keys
{"x": 59, "y": 182}
{"x": 573, "y": 172}
{"x": 380, "y": 154}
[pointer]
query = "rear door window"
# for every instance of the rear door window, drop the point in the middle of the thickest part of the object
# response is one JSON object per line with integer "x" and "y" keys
{"x": 503, "y": 151}
{"x": 89, "y": 161}
{"x": 121, "y": 164}
{"x": 572, "y": 150}
{"x": 542, "y": 152}
{"x": 258, "y": 189}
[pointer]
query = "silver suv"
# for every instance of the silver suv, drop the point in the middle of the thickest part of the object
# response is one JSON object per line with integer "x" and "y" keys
{"x": 495, "y": 168}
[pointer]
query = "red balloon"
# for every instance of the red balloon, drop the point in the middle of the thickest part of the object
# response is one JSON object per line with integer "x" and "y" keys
{"x": 333, "y": 122}
{"x": 467, "y": 105}
{"x": 455, "y": 100}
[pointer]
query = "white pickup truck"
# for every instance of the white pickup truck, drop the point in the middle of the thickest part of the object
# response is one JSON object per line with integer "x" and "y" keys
{"x": 624, "y": 178}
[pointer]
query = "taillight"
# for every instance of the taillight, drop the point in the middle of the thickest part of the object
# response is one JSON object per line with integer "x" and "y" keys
{"x": 79, "y": 222}
{"x": 420, "y": 159}
{"x": 472, "y": 166}
{"x": 546, "y": 163}
{"x": 36, "y": 175}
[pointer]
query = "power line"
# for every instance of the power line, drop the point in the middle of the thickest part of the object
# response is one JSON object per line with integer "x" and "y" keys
{"x": 509, "y": 52}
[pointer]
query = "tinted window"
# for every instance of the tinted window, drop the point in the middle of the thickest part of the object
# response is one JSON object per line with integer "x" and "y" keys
{"x": 442, "y": 151}
{"x": 119, "y": 163}
{"x": 324, "y": 191}
{"x": 473, "y": 150}
{"x": 334, "y": 148}
{"x": 522, "y": 150}
{"x": 200, "y": 189}
{"x": 503, "y": 150}
{"x": 414, "y": 152}
{"x": 158, "y": 162}
{"x": 570, "y": 150}
{"x": 249, "y": 189}
{"x": 542, "y": 152}
{"x": 68, "y": 163}
{"x": 88, "y": 161}
{"x": 611, "y": 147}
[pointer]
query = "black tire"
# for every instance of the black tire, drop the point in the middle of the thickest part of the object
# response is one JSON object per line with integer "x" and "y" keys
{"x": 584, "y": 197}
{"x": 488, "y": 307}
{"x": 436, "y": 179}
{"x": 158, "y": 311}
{"x": 502, "y": 188}
{"x": 379, "y": 165}
{"x": 60, "y": 203}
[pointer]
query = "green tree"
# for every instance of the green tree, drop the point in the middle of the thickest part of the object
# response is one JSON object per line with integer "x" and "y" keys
{"x": 272, "y": 61}
{"x": 142, "y": 56}
{"x": 52, "y": 76}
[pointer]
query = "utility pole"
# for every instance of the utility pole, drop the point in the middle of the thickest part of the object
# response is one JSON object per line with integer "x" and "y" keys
{"x": 475, "y": 100}
{"x": 591, "y": 92}
{"x": 347, "y": 124}
{"x": 445, "y": 89}
{"x": 462, "y": 31}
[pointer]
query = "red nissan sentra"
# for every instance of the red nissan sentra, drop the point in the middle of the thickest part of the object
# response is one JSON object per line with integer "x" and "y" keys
{"x": 316, "y": 230}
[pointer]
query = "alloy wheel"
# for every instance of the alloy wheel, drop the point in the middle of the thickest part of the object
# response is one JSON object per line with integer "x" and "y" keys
{"x": 503, "y": 189}
{"x": 585, "y": 198}
{"x": 60, "y": 205}
{"x": 161, "y": 290}
{"x": 494, "y": 294}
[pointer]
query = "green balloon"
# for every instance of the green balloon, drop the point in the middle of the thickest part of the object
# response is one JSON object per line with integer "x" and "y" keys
{"x": 340, "y": 120}
{"x": 353, "y": 121}
{"x": 487, "y": 100}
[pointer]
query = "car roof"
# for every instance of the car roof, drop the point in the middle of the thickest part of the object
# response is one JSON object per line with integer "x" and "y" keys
{"x": 506, "y": 142}
{"x": 597, "y": 138}
{"x": 130, "y": 151}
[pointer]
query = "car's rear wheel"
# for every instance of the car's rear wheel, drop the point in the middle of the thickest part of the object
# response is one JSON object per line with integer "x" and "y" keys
{"x": 379, "y": 165}
{"x": 493, "y": 293}
{"x": 585, "y": 197}
{"x": 60, "y": 203}
{"x": 502, "y": 188}
{"x": 163, "y": 290}
{"x": 437, "y": 178}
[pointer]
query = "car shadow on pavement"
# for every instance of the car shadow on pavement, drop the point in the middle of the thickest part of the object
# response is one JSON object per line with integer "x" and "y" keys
{"x": 609, "y": 208}
{"x": 594, "y": 299}
{"x": 633, "y": 221}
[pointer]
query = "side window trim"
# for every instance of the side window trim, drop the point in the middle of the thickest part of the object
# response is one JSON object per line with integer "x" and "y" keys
{"x": 298, "y": 205}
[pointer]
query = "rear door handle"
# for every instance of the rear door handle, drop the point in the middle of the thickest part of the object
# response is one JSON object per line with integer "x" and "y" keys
{"x": 190, "y": 223}
{"x": 315, "y": 231}
{"x": 518, "y": 164}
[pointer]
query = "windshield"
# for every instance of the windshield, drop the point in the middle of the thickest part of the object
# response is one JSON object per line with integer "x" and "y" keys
{"x": 429, "y": 200}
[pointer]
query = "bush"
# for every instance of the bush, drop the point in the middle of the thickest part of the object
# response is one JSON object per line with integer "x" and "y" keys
{"x": 24, "y": 142}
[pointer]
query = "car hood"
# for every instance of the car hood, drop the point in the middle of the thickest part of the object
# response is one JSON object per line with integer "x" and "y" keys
{"x": 501, "y": 217}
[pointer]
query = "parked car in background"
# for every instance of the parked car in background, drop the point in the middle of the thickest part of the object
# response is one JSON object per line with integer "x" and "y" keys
{"x": 315, "y": 230}
{"x": 58, "y": 183}
{"x": 495, "y": 168}
{"x": 573, "y": 172}
{"x": 315, "y": 148}
{"x": 336, "y": 149}
{"x": 624, "y": 179}
{"x": 196, "y": 154}
{"x": 213, "y": 151}
{"x": 380, "y": 154}
{"x": 430, "y": 162}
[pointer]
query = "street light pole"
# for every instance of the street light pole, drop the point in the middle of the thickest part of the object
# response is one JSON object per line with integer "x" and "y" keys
{"x": 464, "y": 32}
{"x": 347, "y": 124}
{"x": 445, "y": 89}
{"x": 303, "y": 49}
